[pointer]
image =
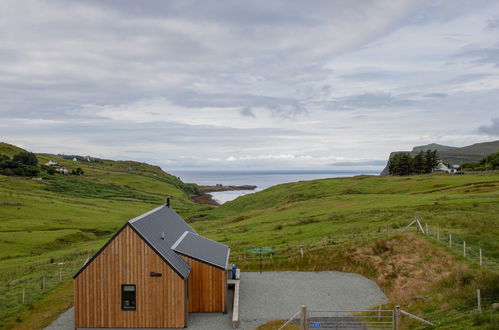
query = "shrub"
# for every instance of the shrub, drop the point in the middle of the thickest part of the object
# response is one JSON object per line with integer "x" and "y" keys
{"x": 26, "y": 158}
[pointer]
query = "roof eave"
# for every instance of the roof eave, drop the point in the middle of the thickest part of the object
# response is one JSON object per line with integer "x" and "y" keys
{"x": 205, "y": 261}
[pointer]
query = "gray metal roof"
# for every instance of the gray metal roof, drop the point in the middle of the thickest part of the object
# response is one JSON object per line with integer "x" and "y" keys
{"x": 203, "y": 249}
{"x": 161, "y": 228}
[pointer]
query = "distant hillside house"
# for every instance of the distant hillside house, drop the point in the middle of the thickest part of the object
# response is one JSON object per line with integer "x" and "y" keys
{"x": 51, "y": 163}
{"x": 151, "y": 274}
{"x": 75, "y": 159}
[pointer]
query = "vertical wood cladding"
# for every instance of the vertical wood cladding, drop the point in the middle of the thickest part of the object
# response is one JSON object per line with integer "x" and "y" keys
{"x": 207, "y": 287}
{"x": 160, "y": 301}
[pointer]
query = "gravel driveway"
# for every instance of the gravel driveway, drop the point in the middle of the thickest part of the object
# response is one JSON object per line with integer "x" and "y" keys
{"x": 279, "y": 295}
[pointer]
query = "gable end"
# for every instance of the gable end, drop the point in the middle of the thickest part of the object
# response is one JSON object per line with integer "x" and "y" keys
{"x": 112, "y": 239}
{"x": 100, "y": 251}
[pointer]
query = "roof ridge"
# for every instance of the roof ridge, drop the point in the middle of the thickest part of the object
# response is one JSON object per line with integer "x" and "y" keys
{"x": 145, "y": 214}
{"x": 177, "y": 242}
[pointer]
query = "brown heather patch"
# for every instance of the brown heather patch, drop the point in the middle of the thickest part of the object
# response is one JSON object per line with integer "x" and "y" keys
{"x": 404, "y": 265}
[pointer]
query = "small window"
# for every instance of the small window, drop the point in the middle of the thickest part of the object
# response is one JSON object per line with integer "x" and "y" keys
{"x": 128, "y": 297}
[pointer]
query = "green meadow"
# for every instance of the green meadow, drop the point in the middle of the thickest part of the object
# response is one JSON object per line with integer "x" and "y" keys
{"x": 307, "y": 213}
{"x": 49, "y": 227}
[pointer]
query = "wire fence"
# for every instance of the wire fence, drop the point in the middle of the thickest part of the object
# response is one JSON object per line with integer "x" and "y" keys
{"x": 21, "y": 286}
{"x": 458, "y": 245}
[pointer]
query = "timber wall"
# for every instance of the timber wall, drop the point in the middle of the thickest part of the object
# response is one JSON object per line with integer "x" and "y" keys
{"x": 160, "y": 301}
{"x": 207, "y": 287}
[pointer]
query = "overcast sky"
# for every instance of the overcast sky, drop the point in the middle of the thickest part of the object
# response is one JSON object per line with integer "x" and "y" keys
{"x": 248, "y": 84}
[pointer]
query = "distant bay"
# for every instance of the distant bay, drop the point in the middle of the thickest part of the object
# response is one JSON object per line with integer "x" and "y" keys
{"x": 261, "y": 179}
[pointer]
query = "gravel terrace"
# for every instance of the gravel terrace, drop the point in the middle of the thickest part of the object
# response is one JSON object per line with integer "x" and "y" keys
{"x": 279, "y": 295}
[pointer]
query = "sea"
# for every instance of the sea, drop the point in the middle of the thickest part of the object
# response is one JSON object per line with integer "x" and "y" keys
{"x": 261, "y": 179}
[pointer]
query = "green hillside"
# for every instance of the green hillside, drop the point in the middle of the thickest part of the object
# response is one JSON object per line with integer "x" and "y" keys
{"x": 307, "y": 212}
{"x": 9, "y": 149}
{"x": 64, "y": 218}
{"x": 354, "y": 224}
{"x": 455, "y": 155}
{"x": 348, "y": 224}
{"x": 43, "y": 215}
{"x": 432, "y": 146}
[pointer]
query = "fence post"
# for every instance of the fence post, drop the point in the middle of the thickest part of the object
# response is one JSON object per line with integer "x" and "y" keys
{"x": 479, "y": 300}
{"x": 464, "y": 248}
{"x": 60, "y": 274}
{"x": 301, "y": 252}
{"x": 481, "y": 257}
{"x": 303, "y": 318}
{"x": 397, "y": 318}
{"x": 24, "y": 294}
{"x": 427, "y": 231}
{"x": 450, "y": 241}
{"x": 438, "y": 234}
{"x": 43, "y": 283}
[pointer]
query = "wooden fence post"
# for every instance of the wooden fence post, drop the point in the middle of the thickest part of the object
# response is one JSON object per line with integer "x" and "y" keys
{"x": 464, "y": 248}
{"x": 481, "y": 257}
{"x": 427, "y": 229}
{"x": 397, "y": 318}
{"x": 303, "y": 318}
{"x": 301, "y": 252}
{"x": 450, "y": 241}
{"x": 479, "y": 300}
{"x": 24, "y": 294}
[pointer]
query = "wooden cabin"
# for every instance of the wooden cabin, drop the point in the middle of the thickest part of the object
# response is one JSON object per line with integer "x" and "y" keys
{"x": 151, "y": 274}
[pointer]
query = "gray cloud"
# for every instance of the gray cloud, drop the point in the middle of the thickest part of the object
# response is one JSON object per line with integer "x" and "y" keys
{"x": 436, "y": 95}
{"x": 492, "y": 129}
{"x": 371, "y": 101}
{"x": 247, "y": 112}
{"x": 493, "y": 24}
{"x": 279, "y": 107}
{"x": 482, "y": 55}
{"x": 368, "y": 75}
{"x": 373, "y": 162}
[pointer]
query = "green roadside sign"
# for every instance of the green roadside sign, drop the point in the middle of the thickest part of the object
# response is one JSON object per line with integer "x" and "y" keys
{"x": 260, "y": 250}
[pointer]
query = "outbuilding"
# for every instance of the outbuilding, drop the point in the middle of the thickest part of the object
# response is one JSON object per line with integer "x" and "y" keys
{"x": 151, "y": 274}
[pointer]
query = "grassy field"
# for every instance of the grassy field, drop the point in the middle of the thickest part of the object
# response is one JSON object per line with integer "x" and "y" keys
{"x": 354, "y": 224}
{"x": 49, "y": 227}
{"x": 310, "y": 213}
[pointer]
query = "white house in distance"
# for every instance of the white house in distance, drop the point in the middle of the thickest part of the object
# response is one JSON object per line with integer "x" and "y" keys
{"x": 441, "y": 167}
{"x": 52, "y": 163}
